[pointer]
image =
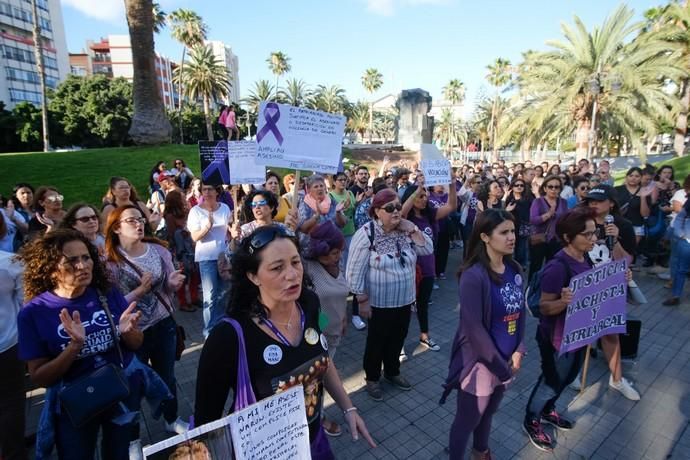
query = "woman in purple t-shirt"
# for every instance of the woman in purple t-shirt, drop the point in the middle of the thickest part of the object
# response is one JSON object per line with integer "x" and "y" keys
{"x": 488, "y": 348}
{"x": 416, "y": 209}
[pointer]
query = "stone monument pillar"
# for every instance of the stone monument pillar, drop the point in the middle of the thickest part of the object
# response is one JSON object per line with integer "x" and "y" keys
{"x": 414, "y": 125}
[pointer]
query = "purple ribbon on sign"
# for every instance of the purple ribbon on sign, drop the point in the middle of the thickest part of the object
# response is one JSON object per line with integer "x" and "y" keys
{"x": 271, "y": 120}
{"x": 219, "y": 163}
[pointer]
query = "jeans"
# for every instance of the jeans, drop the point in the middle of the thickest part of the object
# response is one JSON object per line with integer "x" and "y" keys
{"x": 473, "y": 416}
{"x": 387, "y": 331}
{"x": 522, "y": 251}
{"x": 158, "y": 350}
{"x": 680, "y": 259}
{"x": 557, "y": 372}
{"x": 12, "y": 399}
{"x": 213, "y": 288}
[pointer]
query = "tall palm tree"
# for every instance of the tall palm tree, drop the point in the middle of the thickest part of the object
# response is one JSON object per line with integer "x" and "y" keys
{"x": 150, "y": 123}
{"x": 205, "y": 78}
{"x": 160, "y": 17}
{"x": 262, "y": 91}
{"x": 189, "y": 29}
{"x": 296, "y": 92}
{"x": 498, "y": 76}
{"x": 448, "y": 131}
{"x": 372, "y": 80}
{"x": 279, "y": 64}
{"x": 38, "y": 52}
{"x": 453, "y": 92}
{"x": 358, "y": 121}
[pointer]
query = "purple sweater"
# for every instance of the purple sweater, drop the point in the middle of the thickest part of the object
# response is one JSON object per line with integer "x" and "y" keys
{"x": 541, "y": 206}
{"x": 473, "y": 342}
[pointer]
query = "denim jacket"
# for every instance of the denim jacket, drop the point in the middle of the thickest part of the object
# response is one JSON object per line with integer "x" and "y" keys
{"x": 681, "y": 225}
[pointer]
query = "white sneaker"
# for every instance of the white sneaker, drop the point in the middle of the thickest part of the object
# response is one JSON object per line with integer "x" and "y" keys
{"x": 664, "y": 276}
{"x": 576, "y": 384}
{"x": 178, "y": 426}
{"x": 625, "y": 388}
{"x": 358, "y": 323}
{"x": 436, "y": 286}
{"x": 135, "y": 452}
{"x": 403, "y": 356}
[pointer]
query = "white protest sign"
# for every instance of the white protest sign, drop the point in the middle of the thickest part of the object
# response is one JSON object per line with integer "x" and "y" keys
{"x": 299, "y": 138}
{"x": 275, "y": 427}
{"x": 434, "y": 165}
{"x": 243, "y": 167}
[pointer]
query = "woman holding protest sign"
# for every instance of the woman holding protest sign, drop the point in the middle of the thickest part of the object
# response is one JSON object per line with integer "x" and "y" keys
{"x": 275, "y": 320}
{"x": 488, "y": 348}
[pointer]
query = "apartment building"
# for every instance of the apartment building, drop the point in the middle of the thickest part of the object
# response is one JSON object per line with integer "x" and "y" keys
{"x": 228, "y": 59}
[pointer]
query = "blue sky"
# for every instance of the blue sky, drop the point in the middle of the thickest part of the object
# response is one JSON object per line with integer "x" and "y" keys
{"x": 413, "y": 43}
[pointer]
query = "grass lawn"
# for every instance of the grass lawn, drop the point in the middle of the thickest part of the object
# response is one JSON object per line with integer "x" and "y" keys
{"x": 83, "y": 175}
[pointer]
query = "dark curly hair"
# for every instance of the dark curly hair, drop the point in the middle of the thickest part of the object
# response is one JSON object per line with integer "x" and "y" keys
{"x": 271, "y": 201}
{"x": 244, "y": 295}
{"x": 41, "y": 257}
{"x": 70, "y": 218}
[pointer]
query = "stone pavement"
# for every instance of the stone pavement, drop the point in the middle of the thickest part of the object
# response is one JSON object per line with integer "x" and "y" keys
{"x": 413, "y": 425}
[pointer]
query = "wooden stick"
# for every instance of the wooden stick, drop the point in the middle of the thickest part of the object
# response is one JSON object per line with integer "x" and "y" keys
{"x": 236, "y": 211}
{"x": 295, "y": 189}
{"x": 585, "y": 367}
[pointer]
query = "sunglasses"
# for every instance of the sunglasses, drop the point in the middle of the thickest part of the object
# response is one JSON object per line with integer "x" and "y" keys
{"x": 256, "y": 204}
{"x": 584, "y": 189}
{"x": 265, "y": 235}
{"x": 133, "y": 221}
{"x": 553, "y": 187}
{"x": 87, "y": 219}
{"x": 389, "y": 208}
{"x": 55, "y": 198}
{"x": 519, "y": 186}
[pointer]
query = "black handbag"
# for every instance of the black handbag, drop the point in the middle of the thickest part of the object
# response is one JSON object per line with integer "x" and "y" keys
{"x": 93, "y": 394}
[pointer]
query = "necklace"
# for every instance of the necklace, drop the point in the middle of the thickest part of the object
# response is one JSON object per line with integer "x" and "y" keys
{"x": 289, "y": 322}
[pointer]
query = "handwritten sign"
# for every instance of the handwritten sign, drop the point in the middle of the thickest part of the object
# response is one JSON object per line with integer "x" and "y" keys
{"x": 434, "y": 165}
{"x": 275, "y": 427}
{"x": 213, "y": 156}
{"x": 598, "y": 306}
{"x": 242, "y": 162}
{"x": 299, "y": 138}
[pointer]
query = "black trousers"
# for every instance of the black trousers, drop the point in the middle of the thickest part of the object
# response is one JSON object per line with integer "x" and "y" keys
{"x": 426, "y": 286}
{"x": 386, "y": 335}
{"x": 12, "y": 400}
{"x": 441, "y": 250}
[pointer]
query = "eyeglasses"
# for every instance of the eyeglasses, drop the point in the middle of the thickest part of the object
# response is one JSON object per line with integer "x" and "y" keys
{"x": 588, "y": 235}
{"x": 341, "y": 179}
{"x": 519, "y": 186}
{"x": 178, "y": 163}
{"x": 478, "y": 182}
{"x": 256, "y": 204}
{"x": 265, "y": 235}
{"x": 87, "y": 219}
{"x": 584, "y": 189}
{"x": 389, "y": 208}
{"x": 133, "y": 221}
{"x": 74, "y": 262}
{"x": 553, "y": 187}
{"x": 55, "y": 198}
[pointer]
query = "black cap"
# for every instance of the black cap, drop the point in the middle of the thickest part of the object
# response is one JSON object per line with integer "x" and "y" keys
{"x": 602, "y": 192}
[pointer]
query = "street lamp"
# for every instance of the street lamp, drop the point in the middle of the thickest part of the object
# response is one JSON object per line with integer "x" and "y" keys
{"x": 596, "y": 86}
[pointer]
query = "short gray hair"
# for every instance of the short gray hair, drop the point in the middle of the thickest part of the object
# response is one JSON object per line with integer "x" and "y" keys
{"x": 314, "y": 178}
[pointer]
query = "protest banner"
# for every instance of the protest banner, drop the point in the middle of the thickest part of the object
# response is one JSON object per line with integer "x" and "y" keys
{"x": 213, "y": 156}
{"x": 598, "y": 307}
{"x": 299, "y": 138}
{"x": 434, "y": 165}
{"x": 274, "y": 427}
{"x": 242, "y": 163}
{"x": 212, "y": 440}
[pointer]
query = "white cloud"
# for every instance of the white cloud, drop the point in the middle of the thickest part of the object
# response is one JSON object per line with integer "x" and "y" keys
{"x": 388, "y": 7}
{"x": 106, "y": 10}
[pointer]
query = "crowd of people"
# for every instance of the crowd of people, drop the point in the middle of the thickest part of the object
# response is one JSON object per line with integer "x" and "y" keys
{"x": 95, "y": 289}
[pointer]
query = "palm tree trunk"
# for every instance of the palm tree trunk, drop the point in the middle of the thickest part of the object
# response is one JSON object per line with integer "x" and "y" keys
{"x": 371, "y": 120}
{"x": 582, "y": 140}
{"x": 179, "y": 92}
{"x": 207, "y": 117}
{"x": 276, "y": 96}
{"x": 150, "y": 124}
{"x": 682, "y": 121}
{"x": 493, "y": 129}
{"x": 38, "y": 45}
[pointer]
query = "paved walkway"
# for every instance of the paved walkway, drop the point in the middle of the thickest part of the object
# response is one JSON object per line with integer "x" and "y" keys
{"x": 413, "y": 425}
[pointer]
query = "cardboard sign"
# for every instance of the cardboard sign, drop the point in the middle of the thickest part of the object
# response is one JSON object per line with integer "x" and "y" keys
{"x": 274, "y": 427}
{"x": 434, "y": 165}
{"x": 299, "y": 138}
{"x": 212, "y": 440}
{"x": 242, "y": 162}
{"x": 598, "y": 307}
{"x": 213, "y": 156}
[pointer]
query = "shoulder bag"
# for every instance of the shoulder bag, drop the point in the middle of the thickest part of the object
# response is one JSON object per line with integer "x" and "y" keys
{"x": 244, "y": 394}
{"x": 93, "y": 394}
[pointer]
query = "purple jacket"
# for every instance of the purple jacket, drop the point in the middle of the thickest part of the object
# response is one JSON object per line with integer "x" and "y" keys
{"x": 472, "y": 342}
{"x": 541, "y": 206}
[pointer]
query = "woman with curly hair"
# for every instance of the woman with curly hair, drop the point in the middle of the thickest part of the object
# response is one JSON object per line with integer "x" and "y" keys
{"x": 490, "y": 195}
{"x": 65, "y": 333}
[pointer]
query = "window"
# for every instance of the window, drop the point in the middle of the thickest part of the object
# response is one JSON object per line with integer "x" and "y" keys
{"x": 11, "y": 52}
{"x": 78, "y": 70}
{"x": 28, "y": 76}
{"x": 50, "y": 63}
{"x": 45, "y": 24}
{"x": 19, "y": 95}
{"x": 42, "y": 4}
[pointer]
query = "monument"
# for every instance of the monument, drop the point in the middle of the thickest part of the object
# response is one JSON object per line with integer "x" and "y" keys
{"x": 415, "y": 126}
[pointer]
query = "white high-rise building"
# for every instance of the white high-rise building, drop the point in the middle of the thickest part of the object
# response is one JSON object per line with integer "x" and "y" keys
{"x": 19, "y": 80}
{"x": 227, "y": 58}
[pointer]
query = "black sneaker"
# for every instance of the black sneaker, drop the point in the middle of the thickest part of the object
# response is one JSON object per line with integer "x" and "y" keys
{"x": 374, "y": 390}
{"x": 555, "y": 420}
{"x": 400, "y": 382}
{"x": 537, "y": 437}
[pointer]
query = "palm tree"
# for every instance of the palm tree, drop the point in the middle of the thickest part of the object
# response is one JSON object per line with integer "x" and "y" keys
{"x": 159, "y": 18}
{"x": 328, "y": 99}
{"x": 38, "y": 51}
{"x": 384, "y": 126}
{"x": 448, "y": 131}
{"x": 262, "y": 92}
{"x": 372, "y": 80}
{"x": 358, "y": 121}
{"x": 279, "y": 64}
{"x": 453, "y": 92}
{"x": 296, "y": 92}
{"x": 205, "y": 78}
{"x": 499, "y": 75}
{"x": 150, "y": 123}
{"x": 189, "y": 29}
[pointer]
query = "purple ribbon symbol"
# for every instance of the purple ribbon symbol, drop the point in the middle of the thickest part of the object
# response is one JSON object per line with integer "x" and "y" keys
{"x": 271, "y": 120}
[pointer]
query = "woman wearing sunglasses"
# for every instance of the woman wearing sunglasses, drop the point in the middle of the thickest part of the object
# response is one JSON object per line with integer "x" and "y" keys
{"x": 49, "y": 212}
{"x": 518, "y": 203}
{"x": 381, "y": 270}
{"x": 581, "y": 187}
{"x": 544, "y": 214}
{"x": 259, "y": 210}
{"x": 86, "y": 219}
{"x": 277, "y": 318}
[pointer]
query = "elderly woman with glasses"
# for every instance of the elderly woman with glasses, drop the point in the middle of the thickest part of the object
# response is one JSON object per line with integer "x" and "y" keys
{"x": 316, "y": 207}
{"x": 276, "y": 318}
{"x": 381, "y": 270}
{"x": 49, "y": 212}
{"x": 544, "y": 214}
{"x": 85, "y": 219}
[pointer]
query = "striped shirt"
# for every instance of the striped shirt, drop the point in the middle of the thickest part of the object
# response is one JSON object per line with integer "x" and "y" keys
{"x": 386, "y": 272}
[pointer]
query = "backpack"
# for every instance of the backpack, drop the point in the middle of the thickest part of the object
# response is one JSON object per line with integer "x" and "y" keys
{"x": 533, "y": 293}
